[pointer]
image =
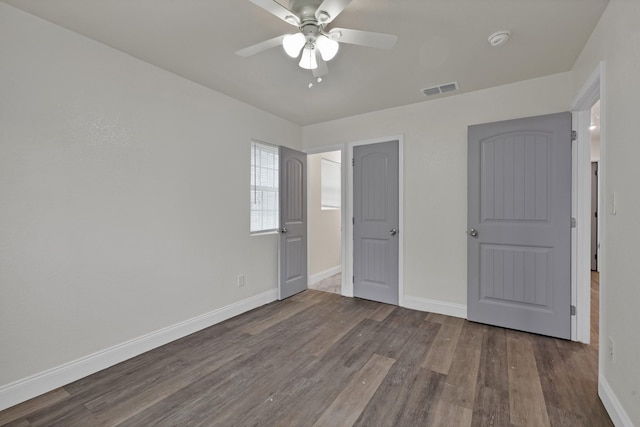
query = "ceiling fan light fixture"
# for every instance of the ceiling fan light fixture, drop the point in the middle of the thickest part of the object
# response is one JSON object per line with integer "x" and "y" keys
{"x": 308, "y": 59}
{"x": 328, "y": 48}
{"x": 323, "y": 16}
{"x": 334, "y": 34}
{"x": 293, "y": 20}
{"x": 293, "y": 43}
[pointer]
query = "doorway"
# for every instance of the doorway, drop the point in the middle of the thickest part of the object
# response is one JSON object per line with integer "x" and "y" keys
{"x": 347, "y": 211}
{"x": 325, "y": 213}
{"x": 586, "y": 149}
{"x": 594, "y": 129}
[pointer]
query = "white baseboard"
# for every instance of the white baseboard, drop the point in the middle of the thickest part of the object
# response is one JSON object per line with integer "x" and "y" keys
{"x": 433, "y": 306}
{"x": 315, "y": 278}
{"x": 611, "y": 403}
{"x": 35, "y": 385}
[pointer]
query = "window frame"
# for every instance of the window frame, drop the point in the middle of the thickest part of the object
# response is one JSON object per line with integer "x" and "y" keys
{"x": 263, "y": 187}
{"x": 332, "y": 163}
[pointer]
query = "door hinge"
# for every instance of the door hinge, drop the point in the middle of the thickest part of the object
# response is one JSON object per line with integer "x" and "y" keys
{"x": 353, "y": 279}
{"x": 574, "y": 135}
{"x": 353, "y": 162}
{"x": 573, "y": 223}
{"x": 353, "y": 220}
{"x": 573, "y": 310}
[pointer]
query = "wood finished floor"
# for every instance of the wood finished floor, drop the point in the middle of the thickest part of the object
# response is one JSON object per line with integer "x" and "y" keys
{"x": 319, "y": 359}
{"x": 331, "y": 284}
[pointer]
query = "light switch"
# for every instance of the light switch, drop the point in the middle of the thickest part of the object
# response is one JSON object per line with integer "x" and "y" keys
{"x": 613, "y": 203}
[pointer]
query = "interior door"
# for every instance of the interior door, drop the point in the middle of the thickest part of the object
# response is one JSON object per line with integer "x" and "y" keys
{"x": 375, "y": 223}
{"x": 594, "y": 216}
{"x": 292, "y": 263}
{"x": 519, "y": 224}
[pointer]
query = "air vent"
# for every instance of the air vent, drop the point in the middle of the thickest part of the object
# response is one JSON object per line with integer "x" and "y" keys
{"x": 437, "y": 90}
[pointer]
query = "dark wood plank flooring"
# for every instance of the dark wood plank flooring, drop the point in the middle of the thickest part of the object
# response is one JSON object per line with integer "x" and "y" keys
{"x": 322, "y": 359}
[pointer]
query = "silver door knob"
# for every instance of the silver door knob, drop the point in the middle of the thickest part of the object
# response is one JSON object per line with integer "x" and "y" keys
{"x": 473, "y": 232}
{"x": 393, "y": 232}
{"x": 283, "y": 230}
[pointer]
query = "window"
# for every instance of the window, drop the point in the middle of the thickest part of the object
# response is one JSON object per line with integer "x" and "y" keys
{"x": 264, "y": 187}
{"x": 330, "y": 173}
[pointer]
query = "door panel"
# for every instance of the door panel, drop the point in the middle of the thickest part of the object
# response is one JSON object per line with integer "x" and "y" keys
{"x": 519, "y": 273}
{"x": 293, "y": 223}
{"x": 376, "y": 213}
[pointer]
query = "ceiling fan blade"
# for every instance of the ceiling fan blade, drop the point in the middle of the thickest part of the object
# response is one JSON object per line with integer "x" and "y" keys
{"x": 278, "y": 10}
{"x": 332, "y": 8}
{"x": 260, "y": 47}
{"x": 322, "y": 69}
{"x": 363, "y": 38}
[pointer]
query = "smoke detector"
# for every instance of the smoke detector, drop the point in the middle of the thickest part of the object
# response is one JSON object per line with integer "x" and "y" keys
{"x": 499, "y": 38}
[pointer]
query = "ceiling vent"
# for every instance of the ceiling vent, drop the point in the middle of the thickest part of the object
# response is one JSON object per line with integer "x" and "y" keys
{"x": 437, "y": 90}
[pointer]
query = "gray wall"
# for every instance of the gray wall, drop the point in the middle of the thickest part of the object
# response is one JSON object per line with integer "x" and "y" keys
{"x": 124, "y": 194}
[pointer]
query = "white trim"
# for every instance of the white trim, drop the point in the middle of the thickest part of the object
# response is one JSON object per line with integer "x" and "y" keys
{"x": 402, "y": 230}
{"x": 581, "y": 234}
{"x": 347, "y": 285}
{"x": 344, "y": 224}
{"x": 315, "y": 278}
{"x": 35, "y": 385}
{"x": 433, "y": 306}
{"x": 574, "y": 235}
{"x": 581, "y": 205}
{"x": 324, "y": 149}
{"x": 614, "y": 408}
{"x": 602, "y": 231}
{"x": 590, "y": 92}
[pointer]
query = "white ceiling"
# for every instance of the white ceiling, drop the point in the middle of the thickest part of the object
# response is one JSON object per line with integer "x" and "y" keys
{"x": 439, "y": 41}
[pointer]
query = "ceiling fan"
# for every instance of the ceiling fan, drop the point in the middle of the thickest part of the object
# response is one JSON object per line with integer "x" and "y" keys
{"x": 314, "y": 43}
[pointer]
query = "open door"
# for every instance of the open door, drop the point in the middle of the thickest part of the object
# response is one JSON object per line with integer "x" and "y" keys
{"x": 519, "y": 224}
{"x": 292, "y": 264}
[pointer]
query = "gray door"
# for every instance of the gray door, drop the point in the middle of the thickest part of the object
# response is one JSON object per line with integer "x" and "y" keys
{"x": 519, "y": 219}
{"x": 594, "y": 216}
{"x": 293, "y": 223}
{"x": 375, "y": 224}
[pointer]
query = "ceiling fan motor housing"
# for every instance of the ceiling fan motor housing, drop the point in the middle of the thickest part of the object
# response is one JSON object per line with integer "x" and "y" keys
{"x": 311, "y": 31}
{"x": 305, "y": 9}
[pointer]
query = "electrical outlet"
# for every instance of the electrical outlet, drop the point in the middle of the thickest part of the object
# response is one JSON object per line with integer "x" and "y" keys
{"x": 240, "y": 280}
{"x": 611, "y": 349}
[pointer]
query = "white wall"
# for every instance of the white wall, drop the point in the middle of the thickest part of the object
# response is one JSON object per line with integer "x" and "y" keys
{"x": 124, "y": 197}
{"x": 616, "y": 41}
{"x": 435, "y": 171}
{"x": 595, "y": 148}
{"x": 324, "y": 225}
